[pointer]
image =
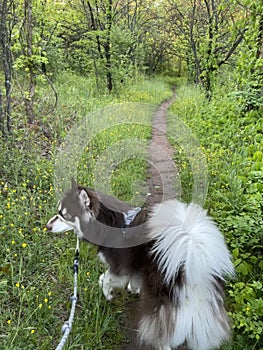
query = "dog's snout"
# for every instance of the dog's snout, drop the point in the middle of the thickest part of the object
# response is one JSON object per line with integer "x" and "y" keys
{"x": 48, "y": 227}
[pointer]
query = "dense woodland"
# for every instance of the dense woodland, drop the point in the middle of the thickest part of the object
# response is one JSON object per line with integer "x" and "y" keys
{"x": 111, "y": 41}
{"x": 59, "y": 60}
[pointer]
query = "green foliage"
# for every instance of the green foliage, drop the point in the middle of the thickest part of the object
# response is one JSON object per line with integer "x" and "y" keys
{"x": 233, "y": 144}
{"x": 207, "y": 34}
{"x": 249, "y": 65}
{"x": 248, "y": 311}
{"x": 98, "y": 40}
{"x": 42, "y": 31}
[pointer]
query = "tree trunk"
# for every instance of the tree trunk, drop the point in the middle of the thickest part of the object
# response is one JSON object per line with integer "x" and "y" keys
{"x": 93, "y": 25}
{"x": 108, "y": 48}
{"x": 2, "y": 113}
{"x": 5, "y": 46}
{"x": 197, "y": 68}
{"x": 29, "y": 99}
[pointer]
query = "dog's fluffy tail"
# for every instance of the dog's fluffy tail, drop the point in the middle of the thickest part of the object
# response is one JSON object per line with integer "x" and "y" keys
{"x": 188, "y": 243}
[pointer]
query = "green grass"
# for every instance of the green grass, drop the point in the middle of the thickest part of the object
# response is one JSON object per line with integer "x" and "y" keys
{"x": 36, "y": 266}
{"x": 233, "y": 146}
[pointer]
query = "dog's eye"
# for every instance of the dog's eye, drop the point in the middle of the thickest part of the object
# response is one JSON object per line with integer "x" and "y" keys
{"x": 67, "y": 216}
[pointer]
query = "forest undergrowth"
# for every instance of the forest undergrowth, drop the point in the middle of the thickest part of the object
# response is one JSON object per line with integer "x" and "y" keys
{"x": 232, "y": 141}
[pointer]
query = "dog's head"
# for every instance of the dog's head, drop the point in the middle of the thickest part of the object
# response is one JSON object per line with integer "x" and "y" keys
{"x": 78, "y": 207}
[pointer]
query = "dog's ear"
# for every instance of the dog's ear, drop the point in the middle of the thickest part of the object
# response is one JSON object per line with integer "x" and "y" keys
{"x": 84, "y": 199}
{"x": 74, "y": 184}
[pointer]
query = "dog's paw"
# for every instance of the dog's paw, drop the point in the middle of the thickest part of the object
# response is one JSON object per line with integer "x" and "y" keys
{"x": 133, "y": 289}
{"x": 101, "y": 279}
{"x": 108, "y": 293}
{"x": 105, "y": 286}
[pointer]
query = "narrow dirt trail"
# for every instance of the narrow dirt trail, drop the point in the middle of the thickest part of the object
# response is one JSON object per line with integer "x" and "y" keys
{"x": 162, "y": 172}
{"x": 161, "y": 185}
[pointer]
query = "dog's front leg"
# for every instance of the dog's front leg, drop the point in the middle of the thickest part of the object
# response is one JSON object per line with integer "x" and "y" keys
{"x": 109, "y": 281}
{"x": 134, "y": 285}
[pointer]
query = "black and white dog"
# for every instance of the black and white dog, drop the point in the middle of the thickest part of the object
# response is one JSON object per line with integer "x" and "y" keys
{"x": 178, "y": 266}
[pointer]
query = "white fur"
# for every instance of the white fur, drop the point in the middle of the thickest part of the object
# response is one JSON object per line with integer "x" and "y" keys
{"x": 186, "y": 237}
{"x": 108, "y": 282}
{"x": 102, "y": 258}
{"x": 197, "y": 323}
{"x": 87, "y": 217}
{"x": 155, "y": 328}
{"x": 58, "y": 224}
{"x": 84, "y": 199}
{"x": 134, "y": 285}
{"x": 77, "y": 228}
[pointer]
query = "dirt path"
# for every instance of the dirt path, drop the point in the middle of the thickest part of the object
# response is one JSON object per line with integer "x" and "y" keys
{"x": 161, "y": 184}
{"x": 162, "y": 172}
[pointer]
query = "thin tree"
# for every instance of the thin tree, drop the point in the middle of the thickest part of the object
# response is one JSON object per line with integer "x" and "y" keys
{"x": 6, "y": 60}
{"x": 28, "y": 52}
{"x": 211, "y": 30}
